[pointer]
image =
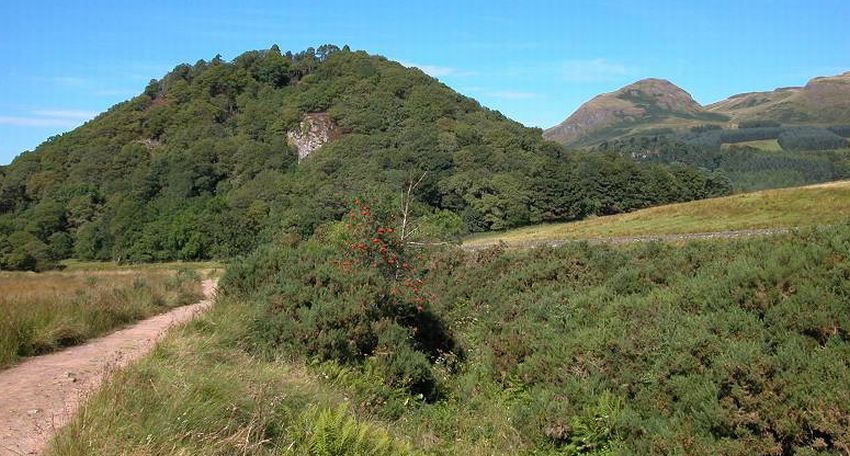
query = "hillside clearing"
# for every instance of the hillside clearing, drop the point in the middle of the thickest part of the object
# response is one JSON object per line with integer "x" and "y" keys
{"x": 769, "y": 145}
{"x": 821, "y": 204}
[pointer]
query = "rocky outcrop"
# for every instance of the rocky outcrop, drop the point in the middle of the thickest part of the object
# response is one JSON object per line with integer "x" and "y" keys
{"x": 314, "y": 131}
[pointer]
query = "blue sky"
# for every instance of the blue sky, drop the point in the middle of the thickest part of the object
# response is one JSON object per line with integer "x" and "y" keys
{"x": 62, "y": 62}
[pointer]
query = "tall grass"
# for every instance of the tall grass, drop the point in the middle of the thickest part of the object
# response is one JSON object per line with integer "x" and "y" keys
{"x": 40, "y": 313}
{"x": 198, "y": 392}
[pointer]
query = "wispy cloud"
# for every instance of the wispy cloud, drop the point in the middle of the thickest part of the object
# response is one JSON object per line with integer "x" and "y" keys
{"x": 68, "y": 81}
{"x": 511, "y": 94}
{"x": 501, "y": 94}
{"x": 115, "y": 92}
{"x": 439, "y": 71}
{"x": 66, "y": 118}
{"x": 594, "y": 70}
{"x": 18, "y": 121}
{"x": 101, "y": 87}
{"x": 72, "y": 114}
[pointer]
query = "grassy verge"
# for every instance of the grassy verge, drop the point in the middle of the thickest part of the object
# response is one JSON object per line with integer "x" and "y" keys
{"x": 783, "y": 208}
{"x": 199, "y": 392}
{"x": 46, "y": 311}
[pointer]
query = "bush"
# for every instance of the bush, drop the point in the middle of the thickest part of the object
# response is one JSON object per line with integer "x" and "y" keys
{"x": 346, "y": 296}
{"x": 656, "y": 347}
{"x": 26, "y": 252}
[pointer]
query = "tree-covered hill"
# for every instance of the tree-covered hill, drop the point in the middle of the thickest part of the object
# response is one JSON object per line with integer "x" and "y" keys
{"x": 203, "y": 164}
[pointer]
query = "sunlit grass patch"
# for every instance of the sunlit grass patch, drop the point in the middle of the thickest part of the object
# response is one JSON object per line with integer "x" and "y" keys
{"x": 43, "y": 312}
{"x": 821, "y": 204}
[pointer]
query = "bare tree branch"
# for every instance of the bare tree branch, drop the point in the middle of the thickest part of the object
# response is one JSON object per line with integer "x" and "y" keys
{"x": 407, "y": 228}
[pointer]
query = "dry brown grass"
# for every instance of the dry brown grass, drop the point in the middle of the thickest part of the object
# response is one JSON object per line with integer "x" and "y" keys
{"x": 42, "y": 312}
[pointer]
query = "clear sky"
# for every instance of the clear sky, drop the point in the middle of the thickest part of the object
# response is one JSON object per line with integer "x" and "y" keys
{"x": 62, "y": 62}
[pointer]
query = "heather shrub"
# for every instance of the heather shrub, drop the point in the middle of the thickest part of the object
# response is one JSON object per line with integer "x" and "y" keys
{"x": 350, "y": 294}
{"x": 709, "y": 347}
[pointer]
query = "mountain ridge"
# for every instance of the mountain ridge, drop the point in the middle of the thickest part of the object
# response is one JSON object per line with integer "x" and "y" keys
{"x": 645, "y": 105}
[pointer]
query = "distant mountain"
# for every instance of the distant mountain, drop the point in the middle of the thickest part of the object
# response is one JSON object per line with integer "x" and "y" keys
{"x": 658, "y": 105}
{"x": 823, "y": 100}
{"x": 648, "y": 103}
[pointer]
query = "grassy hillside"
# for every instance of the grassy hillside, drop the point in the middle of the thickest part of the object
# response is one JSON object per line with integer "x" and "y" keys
{"x": 822, "y": 101}
{"x": 650, "y": 106}
{"x": 821, "y": 204}
{"x": 721, "y": 347}
{"x": 770, "y": 145}
{"x": 203, "y": 164}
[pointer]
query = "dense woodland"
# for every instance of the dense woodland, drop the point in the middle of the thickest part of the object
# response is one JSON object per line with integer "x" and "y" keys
{"x": 198, "y": 166}
{"x": 790, "y": 138}
{"x": 746, "y": 167}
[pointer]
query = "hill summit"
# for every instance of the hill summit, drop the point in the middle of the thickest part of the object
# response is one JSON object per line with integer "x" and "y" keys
{"x": 645, "y": 101}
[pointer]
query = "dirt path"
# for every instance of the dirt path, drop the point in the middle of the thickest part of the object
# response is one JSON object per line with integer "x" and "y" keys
{"x": 40, "y": 395}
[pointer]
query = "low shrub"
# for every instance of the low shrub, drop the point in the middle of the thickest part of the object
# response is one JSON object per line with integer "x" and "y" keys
{"x": 713, "y": 347}
{"x": 347, "y": 295}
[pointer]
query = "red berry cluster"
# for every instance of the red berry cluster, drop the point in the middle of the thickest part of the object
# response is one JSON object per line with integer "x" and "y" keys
{"x": 374, "y": 244}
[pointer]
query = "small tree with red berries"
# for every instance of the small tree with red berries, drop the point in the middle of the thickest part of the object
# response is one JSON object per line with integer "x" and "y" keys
{"x": 352, "y": 294}
{"x": 375, "y": 244}
{"x": 409, "y": 336}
